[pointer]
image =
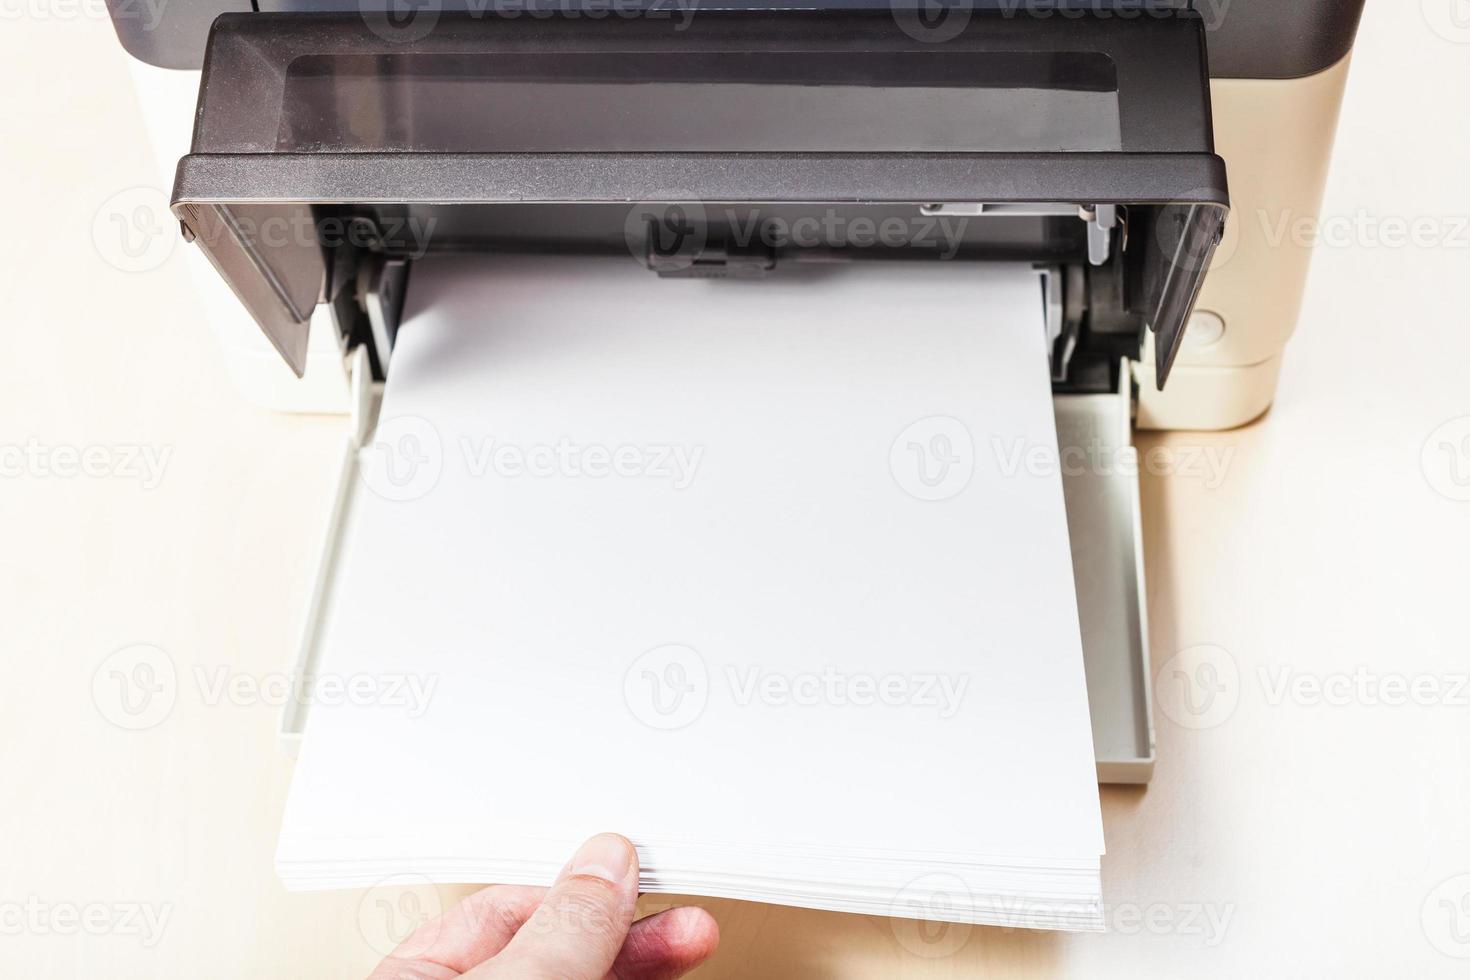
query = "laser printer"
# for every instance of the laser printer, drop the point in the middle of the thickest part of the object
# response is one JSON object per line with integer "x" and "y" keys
{"x": 324, "y": 147}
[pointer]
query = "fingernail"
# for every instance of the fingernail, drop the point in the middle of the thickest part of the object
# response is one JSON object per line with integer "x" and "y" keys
{"x": 606, "y": 856}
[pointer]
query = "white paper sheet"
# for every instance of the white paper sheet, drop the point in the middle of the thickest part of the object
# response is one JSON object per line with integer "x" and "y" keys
{"x": 756, "y": 573}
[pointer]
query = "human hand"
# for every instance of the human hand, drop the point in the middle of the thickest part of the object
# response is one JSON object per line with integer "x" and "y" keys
{"x": 581, "y": 928}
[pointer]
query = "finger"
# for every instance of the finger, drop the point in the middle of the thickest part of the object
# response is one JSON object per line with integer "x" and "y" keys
{"x": 660, "y": 947}
{"x": 667, "y": 945}
{"x": 582, "y": 922}
{"x": 464, "y": 936}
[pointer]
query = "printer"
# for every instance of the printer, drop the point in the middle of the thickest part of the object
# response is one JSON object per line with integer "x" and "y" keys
{"x": 336, "y": 143}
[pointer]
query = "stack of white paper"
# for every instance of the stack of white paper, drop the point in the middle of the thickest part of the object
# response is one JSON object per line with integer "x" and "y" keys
{"x": 761, "y": 574}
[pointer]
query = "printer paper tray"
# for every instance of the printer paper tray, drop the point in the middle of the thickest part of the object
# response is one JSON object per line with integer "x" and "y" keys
{"x": 1101, "y": 489}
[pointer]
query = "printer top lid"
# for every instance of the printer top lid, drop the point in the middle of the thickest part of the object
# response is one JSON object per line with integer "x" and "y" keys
{"x": 1080, "y": 140}
{"x": 1247, "y": 38}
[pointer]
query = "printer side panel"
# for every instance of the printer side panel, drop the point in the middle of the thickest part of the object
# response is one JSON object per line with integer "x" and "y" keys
{"x": 167, "y": 98}
{"x": 170, "y": 34}
{"x": 1276, "y": 138}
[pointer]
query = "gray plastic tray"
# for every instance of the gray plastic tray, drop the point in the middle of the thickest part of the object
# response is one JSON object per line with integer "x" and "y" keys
{"x": 1100, "y": 481}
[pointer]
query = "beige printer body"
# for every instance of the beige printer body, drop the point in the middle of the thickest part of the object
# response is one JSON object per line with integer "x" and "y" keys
{"x": 1277, "y": 80}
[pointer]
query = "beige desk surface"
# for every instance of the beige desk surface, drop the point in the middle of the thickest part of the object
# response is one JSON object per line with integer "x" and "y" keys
{"x": 1289, "y": 838}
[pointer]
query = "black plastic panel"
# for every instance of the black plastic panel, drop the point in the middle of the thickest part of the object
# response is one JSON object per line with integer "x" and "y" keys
{"x": 1247, "y": 38}
{"x": 299, "y": 146}
{"x": 305, "y": 83}
{"x": 693, "y": 100}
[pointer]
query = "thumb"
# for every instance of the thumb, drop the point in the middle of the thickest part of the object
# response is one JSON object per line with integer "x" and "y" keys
{"x": 581, "y": 924}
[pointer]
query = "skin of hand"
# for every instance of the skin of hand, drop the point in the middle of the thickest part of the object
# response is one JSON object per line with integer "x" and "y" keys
{"x": 581, "y": 928}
